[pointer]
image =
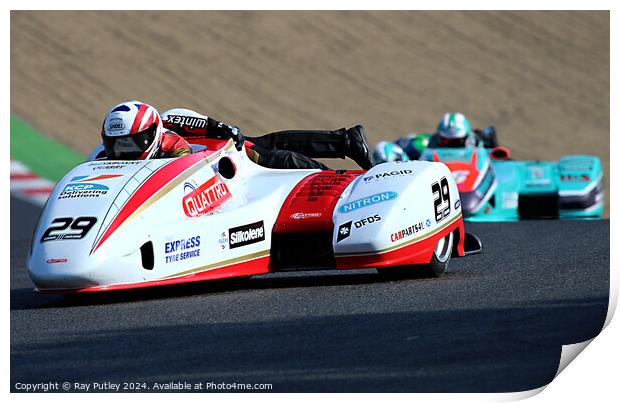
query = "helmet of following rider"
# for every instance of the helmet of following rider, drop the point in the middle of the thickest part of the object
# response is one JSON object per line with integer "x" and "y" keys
{"x": 385, "y": 151}
{"x": 453, "y": 130}
{"x": 413, "y": 144}
{"x": 132, "y": 131}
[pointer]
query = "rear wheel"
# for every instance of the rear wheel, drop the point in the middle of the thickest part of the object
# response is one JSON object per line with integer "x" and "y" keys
{"x": 435, "y": 268}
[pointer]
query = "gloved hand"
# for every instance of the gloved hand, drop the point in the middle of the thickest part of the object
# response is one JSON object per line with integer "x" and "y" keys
{"x": 221, "y": 130}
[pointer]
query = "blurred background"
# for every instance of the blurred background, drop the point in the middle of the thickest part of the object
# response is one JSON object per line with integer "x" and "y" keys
{"x": 542, "y": 78}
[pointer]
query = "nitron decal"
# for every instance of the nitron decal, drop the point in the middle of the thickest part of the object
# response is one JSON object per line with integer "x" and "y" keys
{"x": 367, "y": 201}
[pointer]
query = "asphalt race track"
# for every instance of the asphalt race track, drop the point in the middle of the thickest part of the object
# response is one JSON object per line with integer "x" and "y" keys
{"x": 495, "y": 323}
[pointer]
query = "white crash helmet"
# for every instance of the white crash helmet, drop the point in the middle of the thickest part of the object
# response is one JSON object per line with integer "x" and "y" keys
{"x": 132, "y": 131}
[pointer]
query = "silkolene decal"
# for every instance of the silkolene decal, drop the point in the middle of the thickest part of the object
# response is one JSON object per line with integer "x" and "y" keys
{"x": 246, "y": 234}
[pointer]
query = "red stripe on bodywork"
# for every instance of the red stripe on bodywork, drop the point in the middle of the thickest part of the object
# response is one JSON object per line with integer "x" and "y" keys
{"x": 415, "y": 253}
{"x": 98, "y": 178}
{"x": 474, "y": 157}
{"x": 248, "y": 268}
{"x": 466, "y": 185}
{"x": 151, "y": 186}
{"x": 310, "y": 205}
{"x": 138, "y": 119}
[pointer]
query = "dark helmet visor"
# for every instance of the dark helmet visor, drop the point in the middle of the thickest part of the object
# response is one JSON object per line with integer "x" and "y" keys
{"x": 131, "y": 146}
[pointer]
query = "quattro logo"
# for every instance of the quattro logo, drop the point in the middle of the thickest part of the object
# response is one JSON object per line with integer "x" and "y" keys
{"x": 367, "y": 201}
{"x": 246, "y": 235}
{"x": 205, "y": 198}
{"x": 383, "y": 175}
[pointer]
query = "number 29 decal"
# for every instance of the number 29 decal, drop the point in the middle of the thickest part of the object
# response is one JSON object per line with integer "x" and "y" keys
{"x": 68, "y": 228}
{"x": 441, "y": 193}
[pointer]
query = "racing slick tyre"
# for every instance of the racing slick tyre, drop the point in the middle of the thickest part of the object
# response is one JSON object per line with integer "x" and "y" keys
{"x": 441, "y": 256}
{"x": 436, "y": 267}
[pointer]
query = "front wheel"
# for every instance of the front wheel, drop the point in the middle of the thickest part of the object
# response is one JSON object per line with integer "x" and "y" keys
{"x": 435, "y": 268}
{"x": 441, "y": 256}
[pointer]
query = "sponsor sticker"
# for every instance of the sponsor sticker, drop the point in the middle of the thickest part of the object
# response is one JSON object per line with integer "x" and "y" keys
{"x": 189, "y": 121}
{"x": 61, "y": 260}
{"x": 367, "y": 201}
{"x": 301, "y": 216}
{"x": 536, "y": 172}
{"x": 383, "y": 175}
{"x": 111, "y": 164}
{"x": 367, "y": 220}
{"x": 460, "y": 176}
{"x": 205, "y": 198}
{"x": 321, "y": 185}
{"x": 182, "y": 249}
{"x": 411, "y": 230}
{"x": 576, "y": 167}
{"x": 86, "y": 186}
{"x": 344, "y": 230}
{"x": 575, "y": 178}
{"x": 457, "y": 204}
{"x": 246, "y": 234}
{"x": 223, "y": 241}
{"x": 115, "y": 125}
{"x": 510, "y": 200}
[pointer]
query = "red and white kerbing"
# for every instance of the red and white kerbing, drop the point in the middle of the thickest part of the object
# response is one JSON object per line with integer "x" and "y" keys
{"x": 29, "y": 186}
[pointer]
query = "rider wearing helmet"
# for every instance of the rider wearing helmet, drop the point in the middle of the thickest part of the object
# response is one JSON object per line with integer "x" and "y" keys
{"x": 385, "y": 151}
{"x": 134, "y": 130}
{"x": 453, "y": 131}
{"x": 413, "y": 144}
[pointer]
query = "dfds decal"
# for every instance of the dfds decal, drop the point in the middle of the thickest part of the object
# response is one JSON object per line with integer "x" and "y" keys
{"x": 205, "y": 198}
